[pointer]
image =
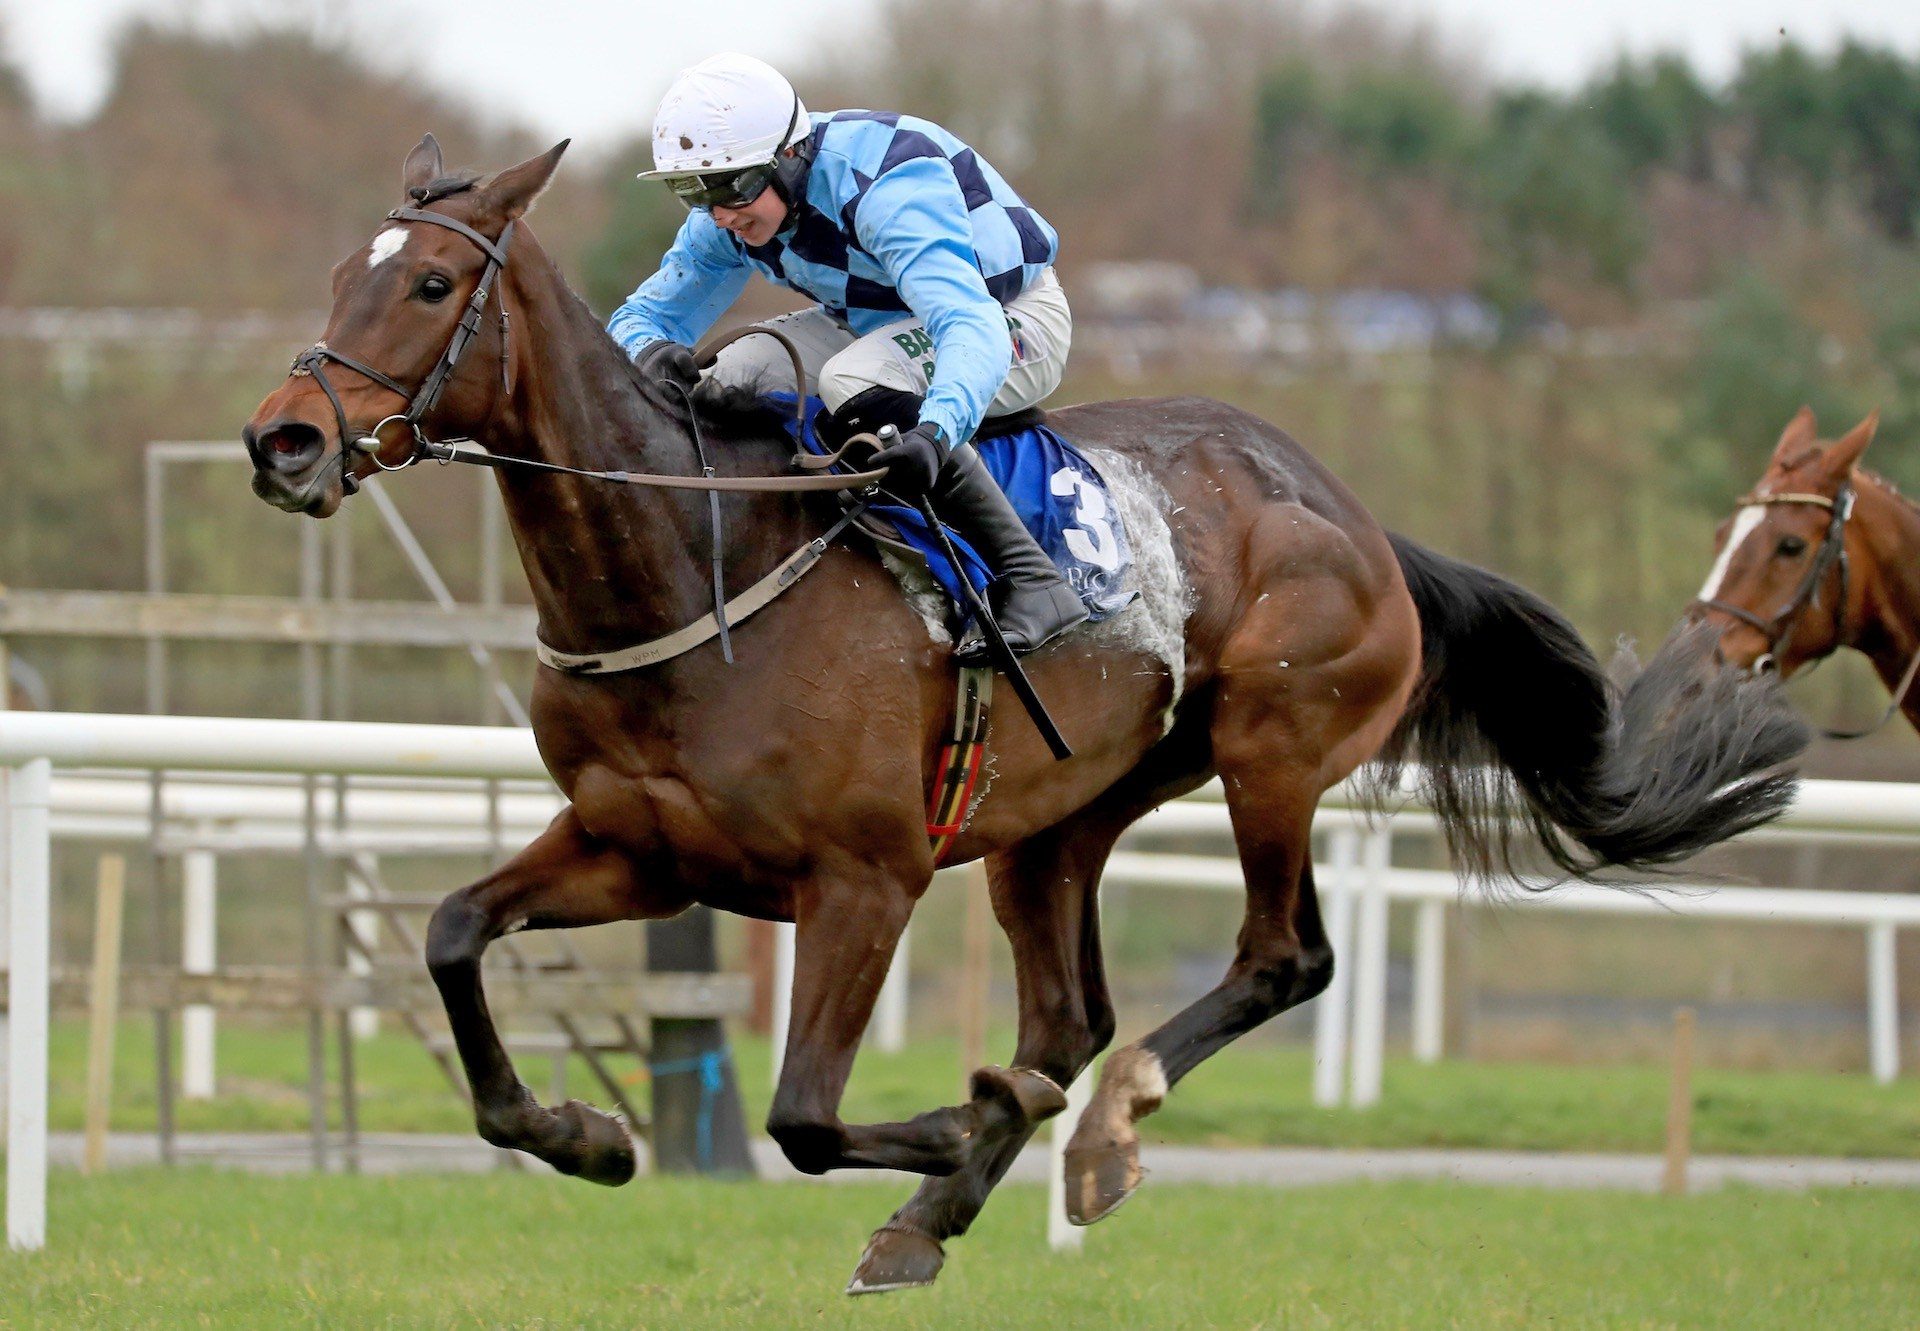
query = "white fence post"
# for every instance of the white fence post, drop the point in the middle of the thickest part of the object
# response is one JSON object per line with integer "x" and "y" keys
{"x": 1330, "y": 1009}
{"x": 1429, "y": 980}
{"x": 890, "y": 1010}
{"x": 29, "y": 939}
{"x": 1883, "y": 1002}
{"x": 1062, "y": 1234}
{"x": 363, "y": 927}
{"x": 1370, "y": 972}
{"x": 782, "y": 993}
{"x": 199, "y": 885}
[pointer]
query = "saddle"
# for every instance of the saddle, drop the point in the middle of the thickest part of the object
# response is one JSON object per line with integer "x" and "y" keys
{"x": 1057, "y": 492}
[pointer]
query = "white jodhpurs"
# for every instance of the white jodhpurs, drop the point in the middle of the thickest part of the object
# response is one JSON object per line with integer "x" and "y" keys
{"x": 900, "y": 355}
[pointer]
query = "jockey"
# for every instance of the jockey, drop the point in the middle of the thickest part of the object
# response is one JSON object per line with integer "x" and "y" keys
{"x": 938, "y": 305}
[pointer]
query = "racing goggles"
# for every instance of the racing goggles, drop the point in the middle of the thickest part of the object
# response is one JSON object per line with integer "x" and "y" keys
{"x": 722, "y": 189}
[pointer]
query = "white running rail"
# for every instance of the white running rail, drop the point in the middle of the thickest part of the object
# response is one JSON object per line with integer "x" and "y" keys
{"x": 1358, "y": 887}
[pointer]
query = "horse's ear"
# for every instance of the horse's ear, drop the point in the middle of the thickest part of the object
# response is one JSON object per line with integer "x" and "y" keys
{"x": 515, "y": 189}
{"x": 1801, "y": 434}
{"x": 1840, "y": 457}
{"x": 423, "y": 165}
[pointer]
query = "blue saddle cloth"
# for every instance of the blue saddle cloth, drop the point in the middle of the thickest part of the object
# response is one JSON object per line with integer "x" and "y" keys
{"x": 1059, "y": 496}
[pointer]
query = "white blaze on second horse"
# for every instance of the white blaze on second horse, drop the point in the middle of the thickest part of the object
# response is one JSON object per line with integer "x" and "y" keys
{"x": 385, "y": 245}
{"x": 1743, "y": 524}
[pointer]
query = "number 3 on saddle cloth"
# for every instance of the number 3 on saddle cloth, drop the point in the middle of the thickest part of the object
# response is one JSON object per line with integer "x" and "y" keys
{"x": 1064, "y": 503}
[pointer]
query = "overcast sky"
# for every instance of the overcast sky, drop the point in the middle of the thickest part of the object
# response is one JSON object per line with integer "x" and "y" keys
{"x": 593, "y": 69}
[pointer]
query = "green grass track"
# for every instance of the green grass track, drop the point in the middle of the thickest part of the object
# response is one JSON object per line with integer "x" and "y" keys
{"x": 195, "y": 1248}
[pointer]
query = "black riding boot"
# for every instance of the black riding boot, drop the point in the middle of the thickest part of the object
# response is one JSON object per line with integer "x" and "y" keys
{"x": 1031, "y": 602}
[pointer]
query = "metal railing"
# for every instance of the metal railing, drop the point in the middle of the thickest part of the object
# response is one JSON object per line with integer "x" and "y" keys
{"x": 1358, "y": 881}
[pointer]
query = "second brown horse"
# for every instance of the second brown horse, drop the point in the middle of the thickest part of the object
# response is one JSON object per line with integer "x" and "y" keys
{"x": 1821, "y": 554}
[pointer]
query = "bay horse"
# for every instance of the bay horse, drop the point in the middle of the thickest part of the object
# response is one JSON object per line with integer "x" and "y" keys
{"x": 792, "y": 784}
{"x": 1821, "y": 554}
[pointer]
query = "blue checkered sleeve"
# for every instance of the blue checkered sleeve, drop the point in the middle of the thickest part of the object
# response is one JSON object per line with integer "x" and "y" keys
{"x": 913, "y": 219}
{"x": 699, "y": 277}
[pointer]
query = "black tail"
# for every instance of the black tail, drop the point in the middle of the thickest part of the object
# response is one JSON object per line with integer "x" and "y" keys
{"x": 1523, "y": 739}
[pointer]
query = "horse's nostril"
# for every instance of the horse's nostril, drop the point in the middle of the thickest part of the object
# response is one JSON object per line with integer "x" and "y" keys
{"x": 292, "y": 442}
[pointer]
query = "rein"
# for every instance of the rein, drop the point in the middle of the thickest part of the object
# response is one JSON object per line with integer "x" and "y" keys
{"x": 444, "y": 451}
{"x": 1832, "y": 553}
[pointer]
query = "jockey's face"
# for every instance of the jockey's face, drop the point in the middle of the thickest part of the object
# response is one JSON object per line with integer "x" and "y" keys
{"x": 759, "y": 221}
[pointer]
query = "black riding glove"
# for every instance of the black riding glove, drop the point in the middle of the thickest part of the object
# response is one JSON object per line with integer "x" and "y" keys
{"x": 913, "y": 461}
{"x": 661, "y": 359}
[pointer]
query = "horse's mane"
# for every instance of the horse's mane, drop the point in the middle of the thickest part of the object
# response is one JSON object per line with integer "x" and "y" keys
{"x": 739, "y": 413}
{"x": 740, "y": 408}
{"x": 1892, "y": 489}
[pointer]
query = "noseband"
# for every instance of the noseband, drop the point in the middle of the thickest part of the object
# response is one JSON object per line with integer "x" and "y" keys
{"x": 1832, "y": 552}
{"x": 421, "y": 400}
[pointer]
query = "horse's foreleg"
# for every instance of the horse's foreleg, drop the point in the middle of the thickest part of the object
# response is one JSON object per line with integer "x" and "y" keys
{"x": 566, "y": 879}
{"x": 1046, "y": 897}
{"x": 846, "y": 931}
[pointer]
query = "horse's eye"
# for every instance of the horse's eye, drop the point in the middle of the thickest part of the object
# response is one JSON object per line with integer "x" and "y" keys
{"x": 434, "y": 288}
{"x": 1791, "y": 546}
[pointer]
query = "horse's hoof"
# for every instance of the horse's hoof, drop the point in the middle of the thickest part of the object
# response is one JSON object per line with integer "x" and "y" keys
{"x": 1032, "y": 1096}
{"x": 599, "y": 1148}
{"x": 897, "y": 1259}
{"x": 1098, "y": 1180}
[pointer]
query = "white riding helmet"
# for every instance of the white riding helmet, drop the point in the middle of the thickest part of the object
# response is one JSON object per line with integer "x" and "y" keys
{"x": 727, "y": 112}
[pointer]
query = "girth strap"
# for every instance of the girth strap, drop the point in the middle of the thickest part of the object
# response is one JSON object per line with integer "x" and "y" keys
{"x": 957, "y": 770}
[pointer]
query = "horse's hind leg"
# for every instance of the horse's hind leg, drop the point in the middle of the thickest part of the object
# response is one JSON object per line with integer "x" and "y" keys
{"x": 566, "y": 879}
{"x": 1282, "y": 959}
{"x": 1046, "y": 896}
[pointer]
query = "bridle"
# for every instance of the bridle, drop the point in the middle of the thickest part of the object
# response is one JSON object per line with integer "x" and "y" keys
{"x": 422, "y": 400}
{"x": 1832, "y": 552}
{"x": 1777, "y": 628}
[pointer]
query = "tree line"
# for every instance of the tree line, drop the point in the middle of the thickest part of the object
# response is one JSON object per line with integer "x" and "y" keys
{"x": 1263, "y": 143}
{"x": 1677, "y": 263}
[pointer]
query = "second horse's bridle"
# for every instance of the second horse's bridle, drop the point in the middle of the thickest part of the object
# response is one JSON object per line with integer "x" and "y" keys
{"x": 1832, "y": 553}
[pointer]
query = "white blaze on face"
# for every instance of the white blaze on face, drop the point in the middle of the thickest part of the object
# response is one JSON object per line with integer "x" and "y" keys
{"x": 385, "y": 245}
{"x": 1743, "y": 524}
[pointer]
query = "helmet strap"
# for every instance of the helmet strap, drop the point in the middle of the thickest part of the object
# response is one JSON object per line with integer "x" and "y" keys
{"x": 790, "y": 172}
